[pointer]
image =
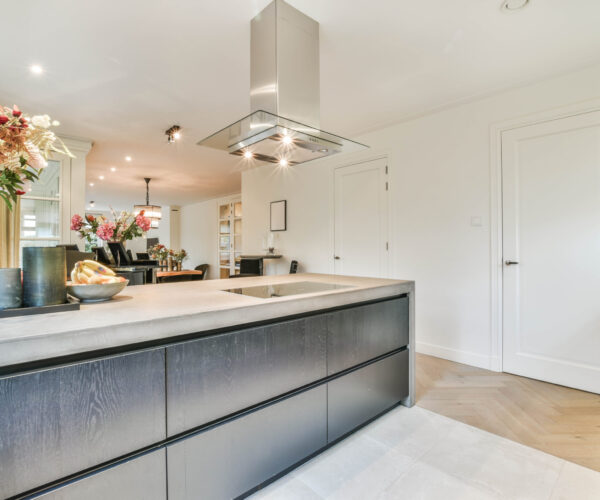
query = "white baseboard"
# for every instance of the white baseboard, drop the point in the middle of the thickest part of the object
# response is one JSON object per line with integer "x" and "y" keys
{"x": 464, "y": 357}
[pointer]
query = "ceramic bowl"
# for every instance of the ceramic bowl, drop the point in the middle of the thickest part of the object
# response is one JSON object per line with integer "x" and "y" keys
{"x": 95, "y": 293}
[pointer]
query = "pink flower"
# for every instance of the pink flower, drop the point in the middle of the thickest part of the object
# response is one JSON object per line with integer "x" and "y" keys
{"x": 76, "y": 222}
{"x": 143, "y": 222}
{"x": 105, "y": 231}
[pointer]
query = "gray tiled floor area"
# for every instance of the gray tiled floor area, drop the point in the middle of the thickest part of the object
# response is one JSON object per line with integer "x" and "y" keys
{"x": 416, "y": 454}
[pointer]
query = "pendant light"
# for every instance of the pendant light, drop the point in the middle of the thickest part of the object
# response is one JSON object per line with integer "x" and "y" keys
{"x": 152, "y": 212}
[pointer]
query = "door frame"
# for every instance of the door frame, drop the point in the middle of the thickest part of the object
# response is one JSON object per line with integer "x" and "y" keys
{"x": 358, "y": 159}
{"x": 496, "y": 239}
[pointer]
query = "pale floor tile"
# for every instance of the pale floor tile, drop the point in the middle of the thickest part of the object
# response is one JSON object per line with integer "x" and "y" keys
{"x": 416, "y": 454}
{"x": 357, "y": 463}
{"x": 288, "y": 488}
{"x": 577, "y": 483}
{"x": 410, "y": 432}
{"x": 509, "y": 469}
{"x": 423, "y": 482}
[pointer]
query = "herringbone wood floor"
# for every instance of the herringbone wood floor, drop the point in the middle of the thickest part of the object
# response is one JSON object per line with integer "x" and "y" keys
{"x": 561, "y": 421}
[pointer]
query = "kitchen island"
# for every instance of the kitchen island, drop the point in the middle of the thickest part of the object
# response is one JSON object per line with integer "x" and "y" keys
{"x": 198, "y": 389}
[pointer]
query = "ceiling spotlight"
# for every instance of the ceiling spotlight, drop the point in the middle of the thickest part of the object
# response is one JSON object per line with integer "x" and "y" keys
{"x": 173, "y": 134}
{"x": 113, "y": 169}
{"x": 91, "y": 184}
{"x": 128, "y": 158}
{"x": 283, "y": 162}
{"x": 512, "y": 5}
{"x": 248, "y": 154}
{"x": 286, "y": 139}
{"x": 101, "y": 177}
{"x": 36, "y": 69}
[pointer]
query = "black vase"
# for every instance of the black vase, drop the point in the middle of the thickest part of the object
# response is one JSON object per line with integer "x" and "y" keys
{"x": 44, "y": 271}
{"x": 11, "y": 290}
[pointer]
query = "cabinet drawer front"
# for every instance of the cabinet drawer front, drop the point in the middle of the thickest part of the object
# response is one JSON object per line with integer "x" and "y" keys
{"x": 361, "y": 395}
{"x": 141, "y": 478}
{"x": 63, "y": 420}
{"x": 362, "y": 333}
{"x": 213, "y": 377}
{"x": 230, "y": 459}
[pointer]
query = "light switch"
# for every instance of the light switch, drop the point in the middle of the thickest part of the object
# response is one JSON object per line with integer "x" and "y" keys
{"x": 476, "y": 221}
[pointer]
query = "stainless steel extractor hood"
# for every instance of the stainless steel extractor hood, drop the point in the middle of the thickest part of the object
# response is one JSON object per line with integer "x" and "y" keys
{"x": 284, "y": 94}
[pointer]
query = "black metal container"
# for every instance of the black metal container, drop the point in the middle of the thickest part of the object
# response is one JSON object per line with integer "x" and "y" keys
{"x": 44, "y": 271}
{"x": 11, "y": 289}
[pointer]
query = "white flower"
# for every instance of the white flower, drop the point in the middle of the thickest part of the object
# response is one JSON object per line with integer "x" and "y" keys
{"x": 36, "y": 160}
{"x": 41, "y": 121}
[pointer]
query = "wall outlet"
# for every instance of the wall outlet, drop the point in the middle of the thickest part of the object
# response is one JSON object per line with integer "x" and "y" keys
{"x": 476, "y": 221}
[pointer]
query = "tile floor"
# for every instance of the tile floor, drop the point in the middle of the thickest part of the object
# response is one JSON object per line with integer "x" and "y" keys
{"x": 416, "y": 454}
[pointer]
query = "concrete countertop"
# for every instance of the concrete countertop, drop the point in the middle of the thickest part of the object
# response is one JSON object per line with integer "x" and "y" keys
{"x": 154, "y": 312}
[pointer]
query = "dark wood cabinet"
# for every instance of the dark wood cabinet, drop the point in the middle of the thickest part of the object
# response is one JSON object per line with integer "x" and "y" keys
{"x": 63, "y": 420}
{"x": 363, "y": 394}
{"x": 144, "y": 478}
{"x": 361, "y": 333}
{"x": 213, "y": 377}
{"x": 227, "y": 411}
{"x": 230, "y": 459}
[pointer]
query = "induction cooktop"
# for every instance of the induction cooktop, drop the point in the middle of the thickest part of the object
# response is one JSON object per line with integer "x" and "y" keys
{"x": 285, "y": 289}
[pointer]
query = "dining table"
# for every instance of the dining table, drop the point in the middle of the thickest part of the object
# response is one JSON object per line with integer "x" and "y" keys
{"x": 183, "y": 275}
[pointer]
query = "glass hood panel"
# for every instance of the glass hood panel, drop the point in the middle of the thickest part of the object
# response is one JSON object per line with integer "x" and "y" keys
{"x": 265, "y": 137}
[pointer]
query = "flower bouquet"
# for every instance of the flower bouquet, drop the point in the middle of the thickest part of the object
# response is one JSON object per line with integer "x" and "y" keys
{"x": 25, "y": 145}
{"x": 180, "y": 257}
{"x": 124, "y": 226}
{"x": 158, "y": 252}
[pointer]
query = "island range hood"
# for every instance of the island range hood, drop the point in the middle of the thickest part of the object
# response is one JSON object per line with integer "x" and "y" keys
{"x": 283, "y": 127}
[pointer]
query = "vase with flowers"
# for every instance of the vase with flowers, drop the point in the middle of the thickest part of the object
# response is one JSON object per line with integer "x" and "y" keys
{"x": 159, "y": 252}
{"x": 179, "y": 258}
{"x": 25, "y": 146}
{"x": 123, "y": 227}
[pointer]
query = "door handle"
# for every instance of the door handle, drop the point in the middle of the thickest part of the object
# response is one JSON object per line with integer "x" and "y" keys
{"x": 336, "y": 257}
{"x": 510, "y": 262}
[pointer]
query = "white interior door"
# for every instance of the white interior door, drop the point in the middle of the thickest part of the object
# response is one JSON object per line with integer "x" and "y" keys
{"x": 361, "y": 220}
{"x": 551, "y": 227}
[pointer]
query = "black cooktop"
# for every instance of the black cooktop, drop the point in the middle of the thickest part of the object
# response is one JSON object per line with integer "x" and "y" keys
{"x": 285, "y": 289}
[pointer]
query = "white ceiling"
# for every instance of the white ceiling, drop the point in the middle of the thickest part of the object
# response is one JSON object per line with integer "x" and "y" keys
{"x": 121, "y": 72}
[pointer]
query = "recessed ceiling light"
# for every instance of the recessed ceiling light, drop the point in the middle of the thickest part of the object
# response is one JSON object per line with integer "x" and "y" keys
{"x": 283, "y": 162}
{"x": 512, "y": 5}
{"x": 286, "y": 139}
{"x": 248, "y": 154}
{"x": 36, "y": 69}
{"x": 101, "y": 177}
{"x": 113, "y": 169}
{"x": 91, "y": 184}
{"x": 128, "y": 158}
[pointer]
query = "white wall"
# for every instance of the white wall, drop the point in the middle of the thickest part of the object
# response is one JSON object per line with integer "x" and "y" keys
{"x": 199, "y": 235}
{"x": 439, "y": 179}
